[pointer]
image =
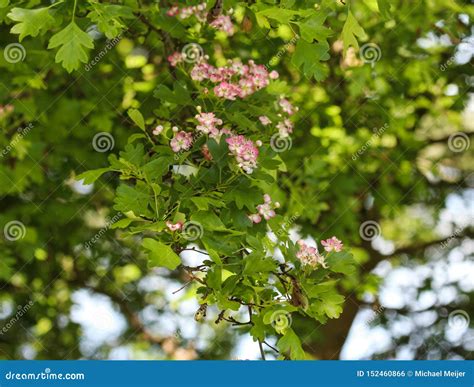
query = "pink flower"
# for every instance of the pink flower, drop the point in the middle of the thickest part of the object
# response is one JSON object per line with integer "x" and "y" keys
{"x": 244, "y": 151}
{"x": 332, "y": 244}
{"x": 175, "y": 58}
{"x": 265, "y": 120}
{"x": 234, "y": 80}
{"x": 267, "y": 210}
{"x": 181, "y": 141}
{"x": 309, "y": 255}
{"x": 208, "y": 123}
{"x": 285, "y": 127}
{"x": 274, "y": 75}
{"x": 286, "y": 106}
{"x": 174, "y": 226}
{"x": 201, "y": 71}
{"x": 186, "y": 12}
{"x": 255, "y": 218}
{"x": 173, "y": 11}
{"x": 227, "y": 90}
{"x": 223, "y": 23}
{"x": 158, "y": 129}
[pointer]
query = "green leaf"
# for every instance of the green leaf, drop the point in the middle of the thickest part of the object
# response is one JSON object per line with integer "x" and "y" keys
{"x": 203, "y": 203}
{"x": 281, "y": 15}
{"x": 257, "y": 263}
{"x": 290, "y": 343}
{"x": 30, "y": 21}
{"x": 134, "y": 154}
{"x": 214, "y": 277}
{"x": 329, "y": 304}
{"x": 135, "y": 199}
{"x": 179, "y": 95}
{"x": 341, "y": 262}
{"x": 258, "y": 328}
{"x": 209, "y": 220}
{"x": 248, "y": 197}
{"x": 161, "y": 254}
{"x": 384, "y": 8}
{"x": 90, "y": 176}
{"x": 123, "y": 223}
{"x": 308, "y": 57}
{"x": 109, "y": 18}
{"x": 137, "y": 117}
{"x": 350, "y": 30}
{"x": 72, "y": 42}
{"x": 156, "y": 169}
{"x": 312, "y": 28}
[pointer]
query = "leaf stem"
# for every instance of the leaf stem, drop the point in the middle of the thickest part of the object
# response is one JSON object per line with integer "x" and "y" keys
{"x": 74, "y": 10}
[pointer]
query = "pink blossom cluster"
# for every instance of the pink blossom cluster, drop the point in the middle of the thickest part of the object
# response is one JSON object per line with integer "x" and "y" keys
{"x": 175, "y": 58}
{"x": 265, "y": 120}
{"x": 223, "y": 23}
{"x": 174, "y": 226}
{"x": 158, "y": 129}
{"x": 309, "y": 255}
{"x": 208, "y": 123}
{"x": 287, "y": 107}
{"x": 332, "y": 244}
{"x": 244, "y": 151}
{"x": 285, "y": 127}
{"x": 267, "y": 210}
{"x": 181, "y": 141}
{"x": 235, "y": 80}
{"x": 186, "y": 12}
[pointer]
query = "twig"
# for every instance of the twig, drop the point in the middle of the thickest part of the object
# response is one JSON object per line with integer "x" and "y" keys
{"x": 182, "y": 287}
{"x": 235, "y": 322}
{"x": 261, "y": 350}
{"x": 272, "y": 347}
